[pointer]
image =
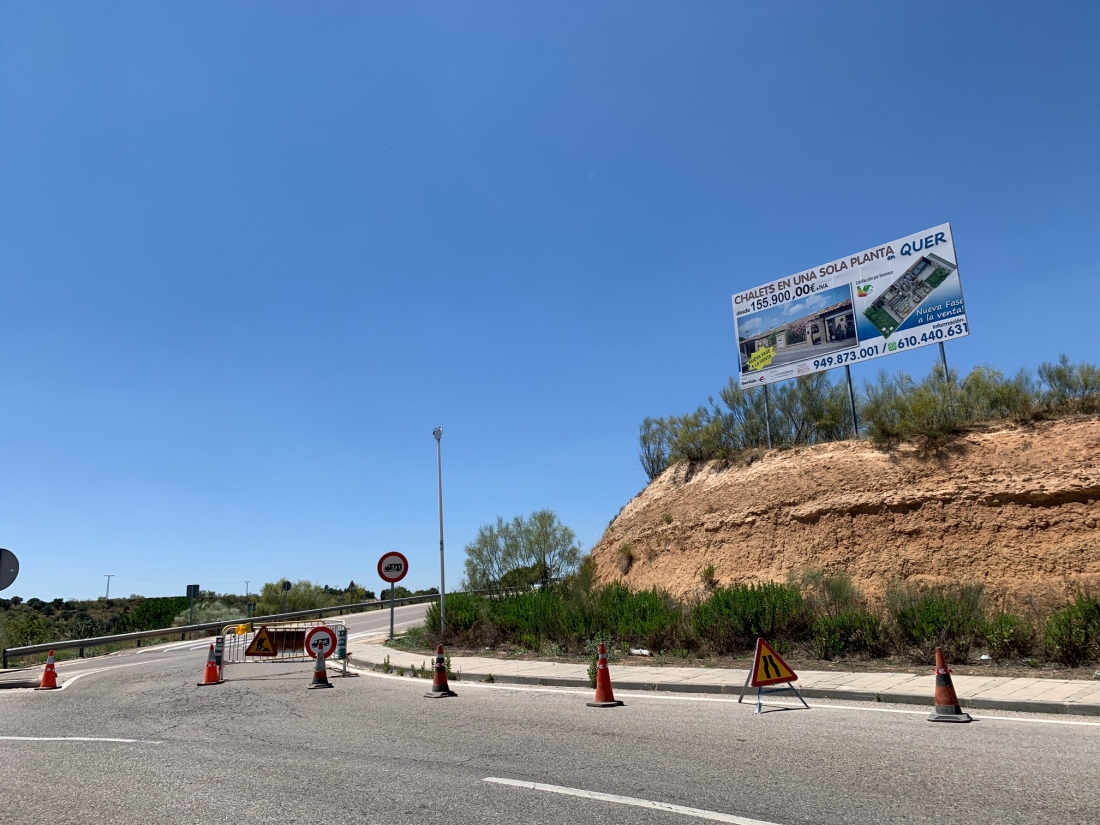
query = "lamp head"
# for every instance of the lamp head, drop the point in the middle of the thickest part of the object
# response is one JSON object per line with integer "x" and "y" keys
{"x": 438, "y": 433}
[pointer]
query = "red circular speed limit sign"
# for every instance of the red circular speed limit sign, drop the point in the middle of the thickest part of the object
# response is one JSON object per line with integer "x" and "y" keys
{"x": 321, "y": 640}
{"x": 392, "y": 567}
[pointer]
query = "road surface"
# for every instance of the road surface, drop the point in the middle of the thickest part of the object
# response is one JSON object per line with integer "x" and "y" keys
{"x": 133, "y": 739}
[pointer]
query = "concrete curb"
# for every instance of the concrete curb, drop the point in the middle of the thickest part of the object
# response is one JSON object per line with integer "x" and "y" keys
{"x": 7, "y": 684}
{"x": 1015, "y": 705}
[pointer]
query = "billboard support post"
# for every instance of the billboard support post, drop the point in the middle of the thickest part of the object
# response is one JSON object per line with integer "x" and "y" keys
{"x": 943, "y": 359}
{"x": 767, "y": 417}
{"x": 852, "y": 400}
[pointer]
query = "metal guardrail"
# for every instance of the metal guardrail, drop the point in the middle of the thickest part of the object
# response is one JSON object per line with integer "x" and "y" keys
{"x": 137, "y": 636}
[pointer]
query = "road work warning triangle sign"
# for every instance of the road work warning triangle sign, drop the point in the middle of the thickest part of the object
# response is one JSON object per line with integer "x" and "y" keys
{"x": 261, "y": 644}
{"x": 768, "y": 667}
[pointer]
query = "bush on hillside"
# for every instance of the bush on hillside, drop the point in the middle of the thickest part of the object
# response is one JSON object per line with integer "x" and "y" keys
{"x": 812, "y": 409}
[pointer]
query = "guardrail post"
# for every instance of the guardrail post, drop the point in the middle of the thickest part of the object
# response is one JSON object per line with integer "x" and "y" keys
{"x": 5, "y": 658}
{"x": 139, "y": 642}
{"x": 82, "y": 651}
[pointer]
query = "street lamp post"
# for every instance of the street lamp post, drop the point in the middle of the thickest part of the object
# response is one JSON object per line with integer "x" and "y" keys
{"x": 438, "y": 433}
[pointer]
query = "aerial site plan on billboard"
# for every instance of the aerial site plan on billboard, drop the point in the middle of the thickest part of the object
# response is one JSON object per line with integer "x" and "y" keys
{"x": 898, "y": 296}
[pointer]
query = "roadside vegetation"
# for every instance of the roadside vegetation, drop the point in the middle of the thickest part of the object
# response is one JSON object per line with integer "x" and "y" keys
{"x": 893, "y": 408}
{"x": 818, "y": 615}
{"x": 34, "y": 621}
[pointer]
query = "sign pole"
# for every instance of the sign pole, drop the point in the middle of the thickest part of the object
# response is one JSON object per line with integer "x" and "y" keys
{"x": 852, "y": 400}
{"x": 392, "y": 568}
{"x": 943, "y": 358}
{"x": 767, "y": 417}
{"x": 438, "y": 433}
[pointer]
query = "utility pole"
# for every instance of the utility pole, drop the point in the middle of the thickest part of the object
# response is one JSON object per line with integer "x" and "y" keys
{"x": 109, "y": 577}
{"x": 438, "y": 433}
{"x": 246, "y": 583}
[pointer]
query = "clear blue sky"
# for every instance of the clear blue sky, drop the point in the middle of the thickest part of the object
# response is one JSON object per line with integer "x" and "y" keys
{"x": 252, "y": 253}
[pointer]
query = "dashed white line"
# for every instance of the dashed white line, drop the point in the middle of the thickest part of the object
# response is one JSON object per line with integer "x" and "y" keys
{"x": 699, "y": 813}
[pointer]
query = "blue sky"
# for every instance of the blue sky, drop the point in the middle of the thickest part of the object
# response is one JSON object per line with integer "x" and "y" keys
{"x": 251, "y": 254}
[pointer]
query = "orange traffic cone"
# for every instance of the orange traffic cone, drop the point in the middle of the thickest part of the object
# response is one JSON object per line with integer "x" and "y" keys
{"x": 947, "y": 703}
{"x": 320, "y": 674}
{"x": 210, "y": 675}
{"x": 604, "y": 697}
{"x": 49, "y": 675}
{"x": 440, "y": 689}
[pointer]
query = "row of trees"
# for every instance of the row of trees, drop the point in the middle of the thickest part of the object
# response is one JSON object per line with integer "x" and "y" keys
{"x": 812, "y": 409}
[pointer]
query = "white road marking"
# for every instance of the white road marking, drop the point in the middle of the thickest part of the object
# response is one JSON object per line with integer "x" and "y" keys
{"x": 382, "y": 632}
{"x": 629, "y": 800}
{"x": 80, "y": 739}
{"x": 671, "y": 697}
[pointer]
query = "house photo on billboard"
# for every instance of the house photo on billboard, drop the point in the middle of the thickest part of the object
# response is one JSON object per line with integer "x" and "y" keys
{"x": 817, "y": 329}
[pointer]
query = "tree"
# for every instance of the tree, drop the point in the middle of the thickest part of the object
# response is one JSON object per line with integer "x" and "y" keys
{"x": 521, "y": 552}
{"x": 303, "y": 595}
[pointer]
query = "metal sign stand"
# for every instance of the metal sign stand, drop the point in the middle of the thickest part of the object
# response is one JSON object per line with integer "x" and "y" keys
{"x": 761, "y": 691}
{"x": 852, "y": 401}
{"x": 767, "y": 417}
{"x": 392, "y": 589}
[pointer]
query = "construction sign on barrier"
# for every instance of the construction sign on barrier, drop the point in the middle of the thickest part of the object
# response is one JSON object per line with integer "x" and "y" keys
{"x": 261, "y": 644}
{"x": 768, "y": 667}
{"x": 321, "y": 641}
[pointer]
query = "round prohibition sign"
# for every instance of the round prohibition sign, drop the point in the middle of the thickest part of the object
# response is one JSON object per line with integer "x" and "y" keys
{"x": 322, "y": 640}
{"x": 392, "y": 567}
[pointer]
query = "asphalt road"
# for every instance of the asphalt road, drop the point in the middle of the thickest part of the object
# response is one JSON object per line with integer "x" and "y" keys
{"x": 262, "y": 748}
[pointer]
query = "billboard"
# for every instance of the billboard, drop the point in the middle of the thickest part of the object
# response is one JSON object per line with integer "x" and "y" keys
{"x": 895, "y": 297}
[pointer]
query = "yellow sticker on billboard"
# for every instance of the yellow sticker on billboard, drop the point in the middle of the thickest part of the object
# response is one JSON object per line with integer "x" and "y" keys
{"x": 761, "y": 358}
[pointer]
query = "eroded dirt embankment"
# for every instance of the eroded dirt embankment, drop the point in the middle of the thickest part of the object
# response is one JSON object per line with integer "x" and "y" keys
{"x": 1017, "y": 509}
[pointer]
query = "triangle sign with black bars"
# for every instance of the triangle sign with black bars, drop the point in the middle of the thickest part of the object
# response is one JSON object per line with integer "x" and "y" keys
{"x": 768, "y": 668}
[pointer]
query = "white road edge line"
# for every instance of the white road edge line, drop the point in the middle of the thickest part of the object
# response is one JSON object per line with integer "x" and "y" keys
{"x": 653, "y": 696}
{"x": 629, "y": 800}
{"x": 80, "y": 739}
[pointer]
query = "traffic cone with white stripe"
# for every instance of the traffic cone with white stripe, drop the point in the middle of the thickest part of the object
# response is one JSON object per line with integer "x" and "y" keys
{"x": 49, "y": 675}
{"x": 440, "y": 689}
{"x": 210, "y": 675}
{"x": 604, "y": 697}
{"x": 947, "y": 703}
{"x": 320, "y": 674}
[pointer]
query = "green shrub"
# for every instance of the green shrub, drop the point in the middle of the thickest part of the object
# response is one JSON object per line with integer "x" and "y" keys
{"x": 464, "y": 615}
{"x": 1073, "y": 633}
{"x": 846, "y": 633}
{"x": 810, "y": 409}
{"x": 924, "y": 618}
{"x": 1008, "y": 636}
{"x": 732, "y": 618}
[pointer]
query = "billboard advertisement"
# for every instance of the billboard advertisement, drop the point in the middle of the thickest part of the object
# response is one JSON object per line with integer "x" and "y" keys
{"x": 895, "y": 297}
